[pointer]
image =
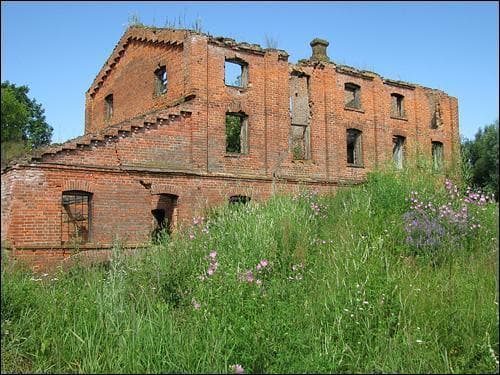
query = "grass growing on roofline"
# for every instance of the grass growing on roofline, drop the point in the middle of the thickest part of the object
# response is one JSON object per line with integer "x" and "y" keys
{"x": 304, "y": 284}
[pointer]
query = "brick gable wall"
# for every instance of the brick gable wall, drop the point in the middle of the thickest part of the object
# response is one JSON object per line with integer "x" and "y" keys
{"x": 176, "y": 143}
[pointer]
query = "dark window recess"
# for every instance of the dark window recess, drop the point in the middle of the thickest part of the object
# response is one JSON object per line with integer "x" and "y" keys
{"x": 108, "y": 107}
{"x": 236, "y": 133}
{"x": 239, "y": 199}
{"x": 352, "y": 96}
{"x": 437, "y": 155}
{"x": 161, "y": 80}
{"x": 75, "y": 217}
{"x": 398, "y": 152}
{"x": 436, "y": 117}
{"x": 354, "y": 147}
{"x": 236, "y": 73}
{"x": 397, "y": 105}
{"x": 165, "y": 215}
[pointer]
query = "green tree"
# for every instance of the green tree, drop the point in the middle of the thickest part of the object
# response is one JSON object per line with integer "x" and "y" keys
{"x": 482, "y": 156}
{"x": 32, "y": 126}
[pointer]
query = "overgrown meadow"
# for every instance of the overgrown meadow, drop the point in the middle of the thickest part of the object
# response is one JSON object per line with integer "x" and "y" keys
{"x": 397, "y": 275}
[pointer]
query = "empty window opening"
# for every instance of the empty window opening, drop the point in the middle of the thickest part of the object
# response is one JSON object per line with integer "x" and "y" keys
{"x": 239, "y": 199}
{"x": 437, "y": 155}
{"x": 161, "y": 80}
{"x": 75, "y": 217}
{"x": 164, "y": 215}
{"x": 352, "y": 96}
{"x": 398, "y": 144}
{"x": 300, "y": 142}
{"x": 397, "y": 105}
{"x": 235, "y": 73}
{"x": 236, "y": 133}
{"x": 354, "y": 147}
{"x": 299, "y": 99}
{"x": 436, "y": 117}
{"x": 108, "y": 107}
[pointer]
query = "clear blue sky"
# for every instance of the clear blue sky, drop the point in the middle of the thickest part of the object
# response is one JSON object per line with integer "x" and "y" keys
{"x": 57, "y": 48}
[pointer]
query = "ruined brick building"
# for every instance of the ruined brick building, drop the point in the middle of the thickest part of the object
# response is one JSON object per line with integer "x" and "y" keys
{"x": 167, "y": 134}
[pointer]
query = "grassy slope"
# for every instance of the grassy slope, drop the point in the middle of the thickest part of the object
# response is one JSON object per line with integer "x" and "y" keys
{"x": 363, "y": 302}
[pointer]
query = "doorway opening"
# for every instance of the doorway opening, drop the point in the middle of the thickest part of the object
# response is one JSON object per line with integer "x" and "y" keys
{"x": 164, "y": 214}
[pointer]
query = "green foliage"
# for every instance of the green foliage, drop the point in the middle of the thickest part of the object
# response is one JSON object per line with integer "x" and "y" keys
{"x": 23, "y": 118}
{"x": 233, "y": 133}
{"x": 339, "y": 293}
{"x": 482, "y": 158}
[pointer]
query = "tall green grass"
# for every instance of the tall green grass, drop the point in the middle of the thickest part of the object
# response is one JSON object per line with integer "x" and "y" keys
{"x": 342, "y": 293}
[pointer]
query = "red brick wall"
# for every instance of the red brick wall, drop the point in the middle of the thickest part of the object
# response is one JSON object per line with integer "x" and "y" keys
{"x": 187, "y": 157}
{"x": 132, "y": 83}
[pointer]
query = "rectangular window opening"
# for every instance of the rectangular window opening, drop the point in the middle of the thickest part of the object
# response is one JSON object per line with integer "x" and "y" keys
{"x": 75, "y": 217}
{"x": 398, "y": 143}
{"x": 300, "y": 142}
{"x": 354, "y": 147}
{"x": 397, "y": 105}
{"x": 236, "y": 133}
{"x": 235, "y": 73}
{"x": 437, "y": 155}
{"x": 161, "y": 80}
{"x": 351, "y": 96}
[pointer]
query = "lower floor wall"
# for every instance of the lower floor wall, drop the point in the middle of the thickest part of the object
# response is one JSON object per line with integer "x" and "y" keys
{"x": 51, "y": 213}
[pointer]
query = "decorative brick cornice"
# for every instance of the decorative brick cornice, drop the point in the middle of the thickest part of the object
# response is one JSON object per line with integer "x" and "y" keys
{"x": 147, "y": 120}
{"x": 143, "y": 34}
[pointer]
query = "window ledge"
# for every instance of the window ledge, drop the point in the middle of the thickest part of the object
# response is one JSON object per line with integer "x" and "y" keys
{"x": 349, "y": 165}
{"x": 157, "y": 96}
{"x": 399, "y": 118}
{"x": 239, "y": 88}
{"x": 234, "y": 155}
{"x": 302, "y": 161}
{"x": 360, "y": 110}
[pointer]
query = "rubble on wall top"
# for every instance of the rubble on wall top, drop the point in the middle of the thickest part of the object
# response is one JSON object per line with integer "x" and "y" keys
{"x": 256, "y": 48}
{"x": 171, "y": 37}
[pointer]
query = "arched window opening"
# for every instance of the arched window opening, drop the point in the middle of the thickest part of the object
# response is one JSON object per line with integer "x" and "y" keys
{"x": 108, "y": 107}
{"x": 161, "y": 80}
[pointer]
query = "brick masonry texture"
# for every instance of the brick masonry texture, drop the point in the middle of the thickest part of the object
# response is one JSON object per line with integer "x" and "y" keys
{"x": 175, "y": 143}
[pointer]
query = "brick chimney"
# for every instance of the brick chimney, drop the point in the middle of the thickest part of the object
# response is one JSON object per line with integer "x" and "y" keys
{"x": 319, "y": 50}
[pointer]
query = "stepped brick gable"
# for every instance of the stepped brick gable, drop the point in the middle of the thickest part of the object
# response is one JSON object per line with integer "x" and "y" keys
{"x": 169, "y": 134}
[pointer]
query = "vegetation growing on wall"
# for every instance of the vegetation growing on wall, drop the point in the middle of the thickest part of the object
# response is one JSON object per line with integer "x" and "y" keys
{"x": 370, "y": 280}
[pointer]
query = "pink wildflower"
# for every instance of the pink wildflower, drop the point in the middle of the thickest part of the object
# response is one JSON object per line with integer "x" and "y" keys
{"x": 238, "y": 369}
{"x": 264, "y": 263}
{"x": 250, "y": 277}
{"x": 196, "y": 304}
{"x": 213, "y": 254}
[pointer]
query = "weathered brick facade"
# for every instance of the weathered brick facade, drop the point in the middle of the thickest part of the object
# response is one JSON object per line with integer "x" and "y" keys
{"x": 165, "y": 153}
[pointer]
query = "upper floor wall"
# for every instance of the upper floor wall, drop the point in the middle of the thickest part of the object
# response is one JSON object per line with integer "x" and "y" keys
{"x": 314, "y": 119}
